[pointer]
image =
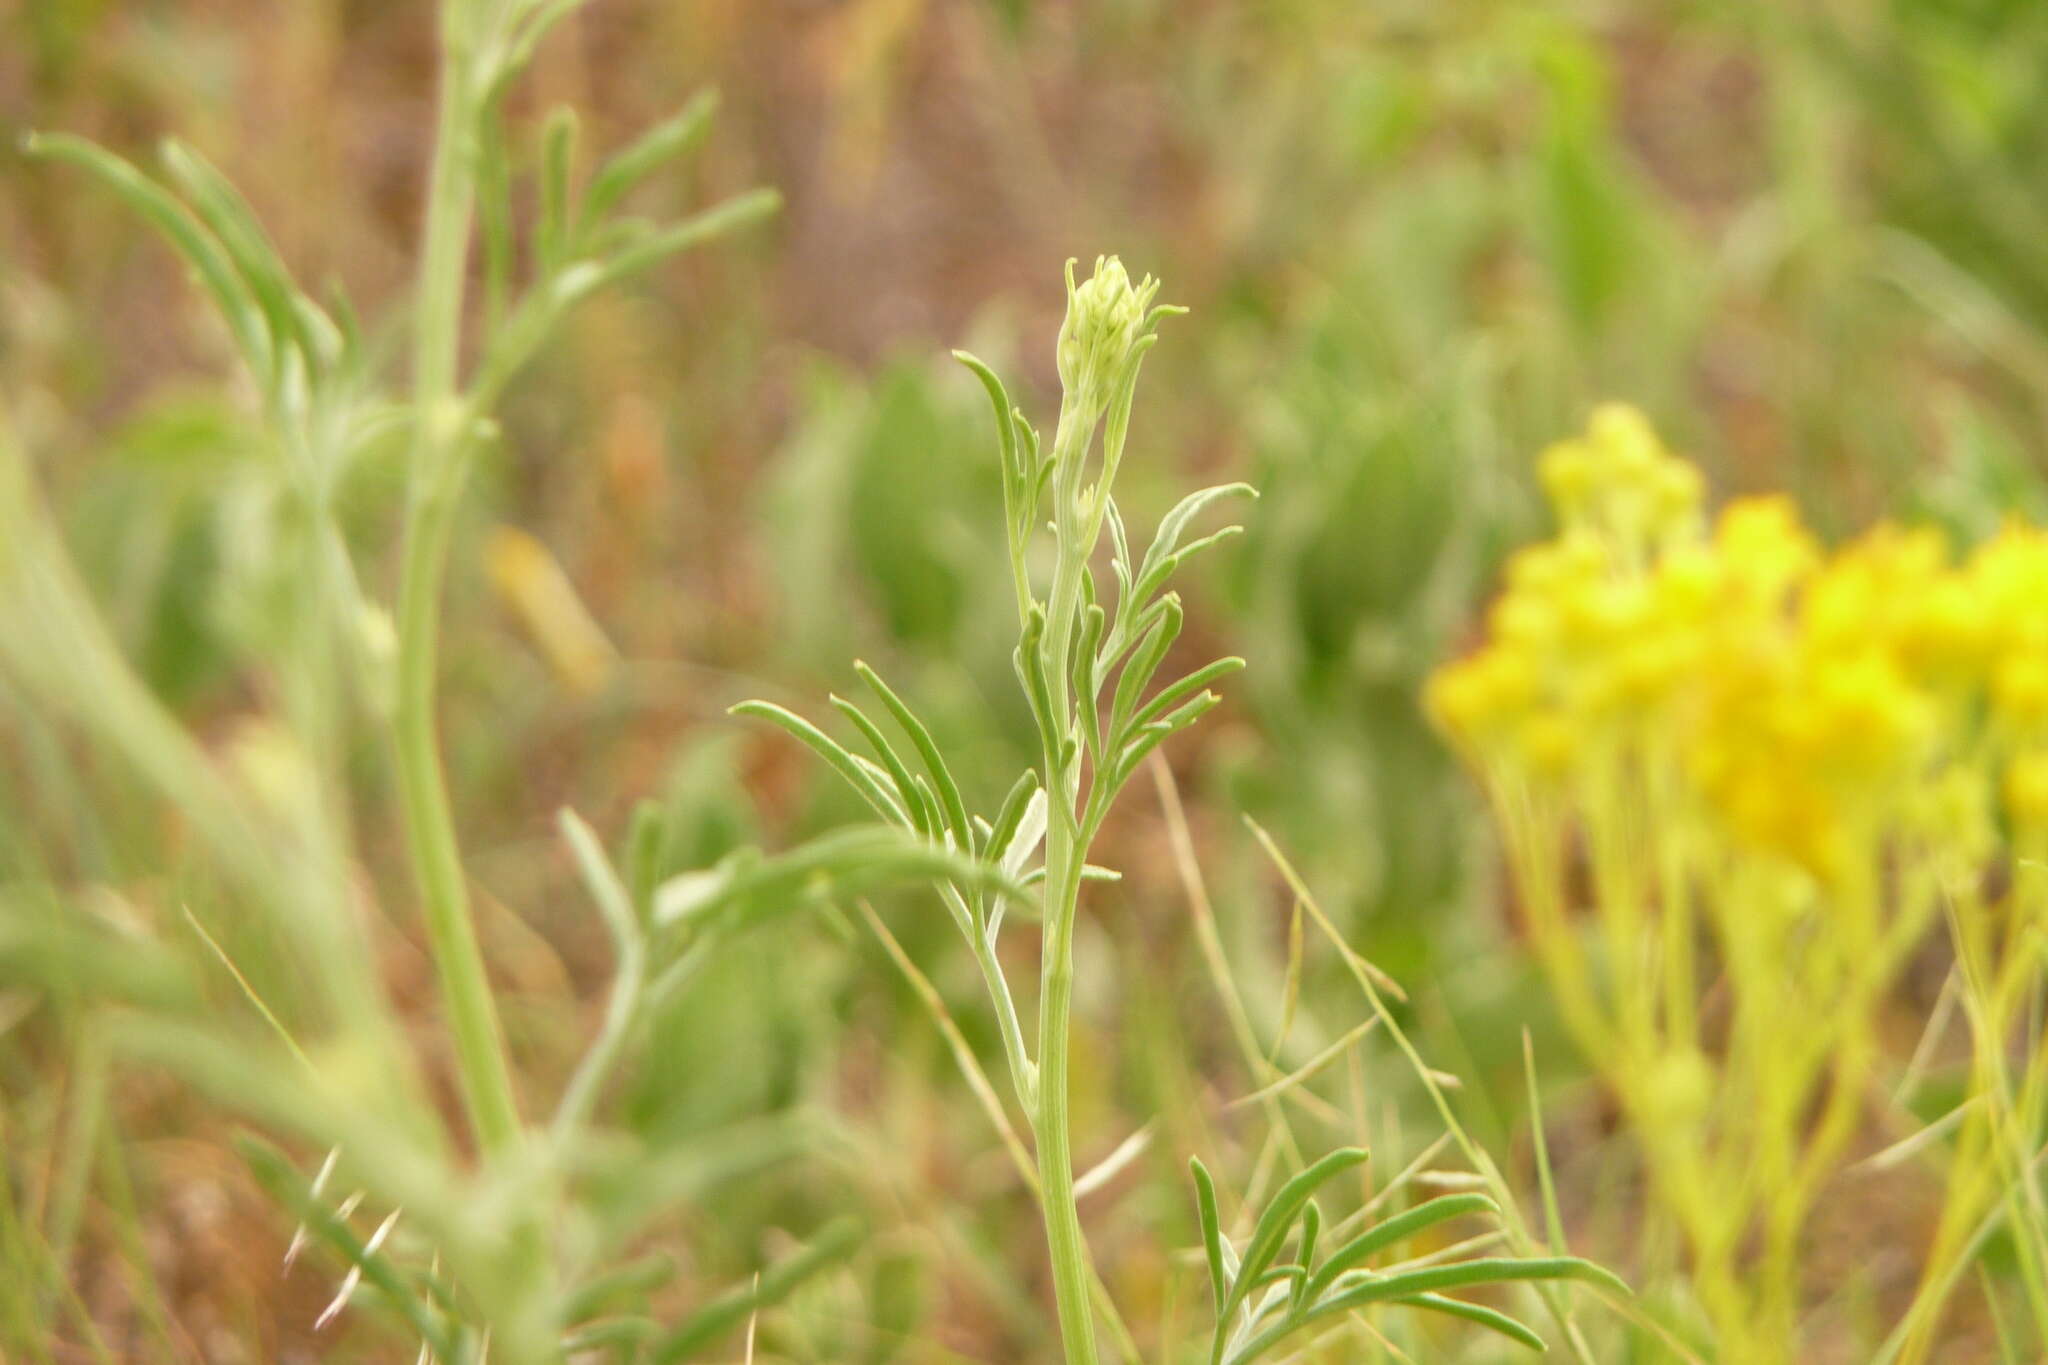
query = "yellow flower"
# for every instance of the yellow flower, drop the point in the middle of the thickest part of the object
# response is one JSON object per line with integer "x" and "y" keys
{"x": 1765, "y": 548}
{"x": 1619, "y": 483}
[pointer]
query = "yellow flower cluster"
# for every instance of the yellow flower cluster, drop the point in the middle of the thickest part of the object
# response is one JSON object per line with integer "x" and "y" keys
{"x": 1803, "y": 700}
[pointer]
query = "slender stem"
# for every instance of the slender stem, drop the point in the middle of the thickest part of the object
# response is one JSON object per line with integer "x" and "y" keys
{"x": 1069, "y": 1252}
{"x": 1066, "y": 853}
{"x": 443, "y": 422}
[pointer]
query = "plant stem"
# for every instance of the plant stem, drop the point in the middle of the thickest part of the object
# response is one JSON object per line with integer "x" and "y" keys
{"x": 1065, "y": 855}
{"x": 439, "y": 454}
{"x": 1070, "y": 1271}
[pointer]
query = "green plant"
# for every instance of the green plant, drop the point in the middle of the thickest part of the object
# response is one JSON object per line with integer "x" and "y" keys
{"x": 1087, "y": 665}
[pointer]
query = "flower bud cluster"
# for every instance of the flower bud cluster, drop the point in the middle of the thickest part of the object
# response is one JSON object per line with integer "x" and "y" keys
{"x": 1107, "y": 323}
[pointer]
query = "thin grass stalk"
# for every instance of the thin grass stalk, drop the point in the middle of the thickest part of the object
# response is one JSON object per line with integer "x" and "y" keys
{"x": 439, "y": 456}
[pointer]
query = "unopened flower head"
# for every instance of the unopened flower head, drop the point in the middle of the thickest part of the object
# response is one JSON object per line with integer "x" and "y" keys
{"x": 1109, "y": 321}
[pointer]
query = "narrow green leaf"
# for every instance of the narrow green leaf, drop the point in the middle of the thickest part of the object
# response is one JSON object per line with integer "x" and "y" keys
{"x": 1155, "y": 577}
{"x": 1311, "y": 1229}
{"x": 182, "y": 229}
{"x": 1398, "y": 1284}
{"x": 928, "y": 800}
{"x": 1119, "y": 554}
{"x": 1479, "y": 1313}
{"x": 740, "y": 211}
{"x": 1388, "y": 1231}
{"x": 1015, "y": 476}
{"x": 881, "y": 778}
{"x": 1212, "y": 1230}
{"x": 1144, "y": 662}
{"x": 558, "y": 240}
{"x": 1166, "y": 540}
{"x": 614, "y": 900}
{"x": 1008, "y": 815}
{"x": 235, "y": 225}
{"x": 1271, "y": 1230}
{"x": 1038, "y": 468}
{"x": 644, "y": 850}
{"x": 1407, "y": 1286}
{"x": 832, "y": 751}
{"x": 921, "y": 739}
{"x": 925, "y": 818}
{"x": 1152, "y": 734}
{"x": 1173, "y": 692}
{"x": 746, "y": 888}
{"x": 1082, "y": 679}
{"x": 669, "y": 140}
{"x": 1129, "y": 633}
{"x": 1029, "y": 660}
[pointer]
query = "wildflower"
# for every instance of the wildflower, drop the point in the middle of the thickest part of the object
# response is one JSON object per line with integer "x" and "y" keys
{"x": 1619, "y": 483}
{"x": 1765, "y": 547}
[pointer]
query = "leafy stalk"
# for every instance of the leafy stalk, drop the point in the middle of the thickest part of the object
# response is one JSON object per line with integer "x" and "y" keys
{"x": 1069, "y": 648}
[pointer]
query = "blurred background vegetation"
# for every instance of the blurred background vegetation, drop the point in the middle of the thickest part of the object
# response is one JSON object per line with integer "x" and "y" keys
{"x": 1419, "y": 241}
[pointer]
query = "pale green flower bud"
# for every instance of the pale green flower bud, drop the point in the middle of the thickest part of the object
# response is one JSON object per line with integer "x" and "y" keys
{"x": 1107, "y": 318}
